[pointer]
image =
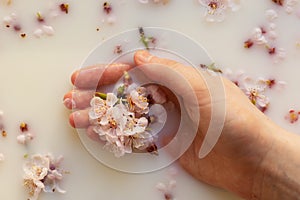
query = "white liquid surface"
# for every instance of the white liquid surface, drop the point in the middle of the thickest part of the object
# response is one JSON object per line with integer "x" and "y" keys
{"x": 34, "y": 75}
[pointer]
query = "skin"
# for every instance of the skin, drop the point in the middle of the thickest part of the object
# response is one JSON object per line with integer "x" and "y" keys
{"x": 253, "y": 158}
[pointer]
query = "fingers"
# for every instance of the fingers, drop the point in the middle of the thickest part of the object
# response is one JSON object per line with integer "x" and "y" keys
{"x": 79, "y": 119}
{"x": 78, "y": 99}
{"x": 98, "y": 75}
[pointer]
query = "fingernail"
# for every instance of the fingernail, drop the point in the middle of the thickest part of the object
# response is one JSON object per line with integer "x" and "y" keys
{"x": 144, "y": 56}
{"x": 74, "y": 76}
{"x": 69, "y": 103}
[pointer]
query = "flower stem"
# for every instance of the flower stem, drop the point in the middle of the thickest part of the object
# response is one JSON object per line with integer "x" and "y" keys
{"x": 145, "y": 40}
{"x": 101, "y": 95}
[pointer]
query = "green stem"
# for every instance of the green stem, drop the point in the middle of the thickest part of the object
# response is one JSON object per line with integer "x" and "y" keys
{"x": 101, "y": 95}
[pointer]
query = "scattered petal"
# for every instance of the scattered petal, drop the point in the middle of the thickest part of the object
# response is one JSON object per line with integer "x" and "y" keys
{"x": 292, "y": 116}
{"x": 48, "y": 30}
{"x": 2, "y": 158}
{"x": 271, "y": 15}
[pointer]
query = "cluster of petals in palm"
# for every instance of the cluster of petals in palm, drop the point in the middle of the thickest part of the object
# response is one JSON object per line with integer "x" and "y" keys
{"x": 129, "y": 120}
{"x": 42, "y": 173}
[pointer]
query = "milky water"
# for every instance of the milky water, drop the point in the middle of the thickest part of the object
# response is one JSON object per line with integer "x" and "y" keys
{"x": 34, "y": 75}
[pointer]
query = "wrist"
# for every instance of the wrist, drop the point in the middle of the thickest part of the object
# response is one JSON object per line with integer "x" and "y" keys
{"x": 278, "y": 174}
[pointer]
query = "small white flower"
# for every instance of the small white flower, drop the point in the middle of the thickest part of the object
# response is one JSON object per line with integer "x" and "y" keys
{"x": 142, "y": 140}
{"x": 25, "y": 137}
{"x": 272, "y": 26}
{"x": 136, "y": 126}
{"x": 116, "y": 148}
{"x": 258, "y": 37}
{"x": 137, "y": 101}
{"x": 98, "y": 108}
{"x": 289, "y": 5}
{"x": 216, "y": 9}
{"x": 167, "y": 189}
{"x": 36, "y": 169}
{"x": 255, "y": 91}
{"x": 271, "y": 15}
{"x": 54, "y": 176}
{"x": 280, "y": 55}
{"x": 10, "y": 19}
{"x": 272, "y": 35}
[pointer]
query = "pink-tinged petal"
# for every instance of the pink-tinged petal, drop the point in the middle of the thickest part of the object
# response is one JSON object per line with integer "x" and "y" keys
{"x": 144, "y": 1}
{"x": 271, "y": 15}
{"x": 21, "y": 139}
{"x": 2, "y": 158}
{"x": 172, "y": 184}
{"x": 111, "y": 99}
{"x": 158, "y": 118}
{"x": 157, "y": 95}
{"x": 161, "y": 187}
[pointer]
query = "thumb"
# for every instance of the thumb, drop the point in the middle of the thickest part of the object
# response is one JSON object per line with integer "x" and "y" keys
{"x": 165, "y": 72}
{"x": 142, "y": 57}
{"x": 161, "y": 69}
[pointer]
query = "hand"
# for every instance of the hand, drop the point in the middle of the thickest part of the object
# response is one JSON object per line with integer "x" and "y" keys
{"x": 242, "y": 145}
{"x": 238, "y": 160}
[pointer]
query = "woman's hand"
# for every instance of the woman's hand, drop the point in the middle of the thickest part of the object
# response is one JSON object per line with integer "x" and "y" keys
{"x": 237, "y": 161}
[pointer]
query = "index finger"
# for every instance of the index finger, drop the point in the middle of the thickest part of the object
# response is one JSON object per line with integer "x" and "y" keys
{"x": 98, "y": 75}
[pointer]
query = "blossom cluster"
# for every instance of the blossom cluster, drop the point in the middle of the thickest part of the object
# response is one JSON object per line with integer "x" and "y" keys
{"x": 42, "y": 173}
{"x": 215, "y": 10}
{"x": 130, "y": 120}
{"x": 254, "y": 89}
{"x": 266, "y": 37}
